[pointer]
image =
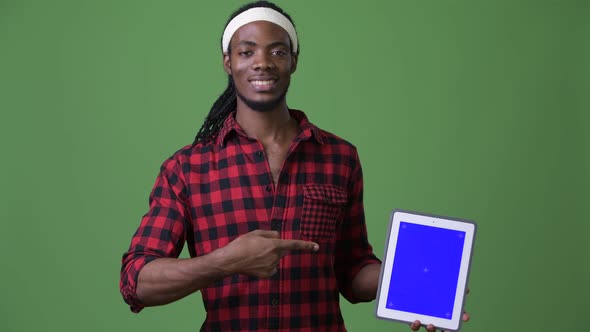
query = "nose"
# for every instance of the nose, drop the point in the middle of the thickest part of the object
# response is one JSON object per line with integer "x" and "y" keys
{"x": 262, "y": 61}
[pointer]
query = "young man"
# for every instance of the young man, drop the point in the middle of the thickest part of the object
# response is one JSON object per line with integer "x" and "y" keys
{"x": 270, "y": 205}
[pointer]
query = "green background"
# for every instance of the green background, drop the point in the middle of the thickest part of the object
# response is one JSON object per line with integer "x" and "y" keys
{"x": 473, "y": 109}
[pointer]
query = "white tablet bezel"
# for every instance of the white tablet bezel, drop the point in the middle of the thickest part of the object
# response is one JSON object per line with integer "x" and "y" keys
{"x": 398, "y": 216}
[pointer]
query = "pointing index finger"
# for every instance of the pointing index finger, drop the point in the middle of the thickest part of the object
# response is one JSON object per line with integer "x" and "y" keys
{"x": 297, "y": 245}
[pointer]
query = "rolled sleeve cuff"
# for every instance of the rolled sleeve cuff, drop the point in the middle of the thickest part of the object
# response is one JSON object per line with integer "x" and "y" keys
{"x": 128, "y": 285}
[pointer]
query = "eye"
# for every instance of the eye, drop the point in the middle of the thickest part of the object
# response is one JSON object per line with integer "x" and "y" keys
{"x": 279, "y": 53}
{"x": 245, "y": 53}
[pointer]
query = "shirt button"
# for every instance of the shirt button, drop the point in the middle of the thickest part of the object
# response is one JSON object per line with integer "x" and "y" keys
{"x": 259, "y": 154}
{"x": 268, "y": 188}
{"x": 274, "y": 302}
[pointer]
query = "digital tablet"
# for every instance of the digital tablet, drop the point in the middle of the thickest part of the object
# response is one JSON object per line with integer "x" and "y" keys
{"x": 425, "y": 269}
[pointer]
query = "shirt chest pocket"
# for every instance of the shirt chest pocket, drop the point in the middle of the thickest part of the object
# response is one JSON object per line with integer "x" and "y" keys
{"x": 323, "y": 208}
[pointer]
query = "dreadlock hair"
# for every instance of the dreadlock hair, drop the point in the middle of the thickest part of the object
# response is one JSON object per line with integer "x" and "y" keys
{"x": 227, "y": 101}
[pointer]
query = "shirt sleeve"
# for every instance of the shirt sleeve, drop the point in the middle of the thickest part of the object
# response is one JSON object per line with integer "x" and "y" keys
{"x": 353, "y": 251}
{"x": 161, "y": 232}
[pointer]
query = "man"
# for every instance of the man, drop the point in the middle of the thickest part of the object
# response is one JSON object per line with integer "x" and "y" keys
{"x": 270, "y": 205}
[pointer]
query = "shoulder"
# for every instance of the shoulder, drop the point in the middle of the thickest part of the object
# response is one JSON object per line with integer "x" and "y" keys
{"x": 322, "y": 136}
{"x": 192, "y": 154}
{"x": 334, "y": 139}
{"x": 336, "y": 144}
{"x": 337, "y": 150}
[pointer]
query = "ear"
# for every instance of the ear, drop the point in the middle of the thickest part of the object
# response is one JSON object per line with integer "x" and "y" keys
{"x": 293, "y": 62}
{"x": 227, "y": 63}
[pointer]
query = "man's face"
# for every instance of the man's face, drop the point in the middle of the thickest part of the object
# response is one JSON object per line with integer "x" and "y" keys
{"x": 260, "y": 64}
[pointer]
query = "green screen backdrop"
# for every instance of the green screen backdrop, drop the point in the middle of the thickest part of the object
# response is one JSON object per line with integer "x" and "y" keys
{"x": 473, "y": 109}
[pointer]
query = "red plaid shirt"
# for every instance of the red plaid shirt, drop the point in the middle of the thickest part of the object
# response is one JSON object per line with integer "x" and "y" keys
{"x": 209, "y": 194}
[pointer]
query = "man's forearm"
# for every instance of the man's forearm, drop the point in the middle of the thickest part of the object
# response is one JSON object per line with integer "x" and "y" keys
{"x": 165, "y": 280}
{"x": 366, "y": 282}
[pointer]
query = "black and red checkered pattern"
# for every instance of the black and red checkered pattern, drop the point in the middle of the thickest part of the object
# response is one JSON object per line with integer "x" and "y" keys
{"x": 209, "y": 194}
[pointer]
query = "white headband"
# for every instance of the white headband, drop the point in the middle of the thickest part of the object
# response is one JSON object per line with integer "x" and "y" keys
{"x": 258, "y": 14}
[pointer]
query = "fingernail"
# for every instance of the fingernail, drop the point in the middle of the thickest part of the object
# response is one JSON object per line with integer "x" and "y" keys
{"x": 316, "y": 247}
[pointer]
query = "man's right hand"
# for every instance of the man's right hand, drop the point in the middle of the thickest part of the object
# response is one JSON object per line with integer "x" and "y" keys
{"x": 258, "y": 253}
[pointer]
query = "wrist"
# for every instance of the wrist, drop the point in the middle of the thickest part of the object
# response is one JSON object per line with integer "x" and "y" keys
{"x": 223, "y": 262}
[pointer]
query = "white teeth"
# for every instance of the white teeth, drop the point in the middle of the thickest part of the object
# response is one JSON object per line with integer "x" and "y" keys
{"x": 269, "y": 82}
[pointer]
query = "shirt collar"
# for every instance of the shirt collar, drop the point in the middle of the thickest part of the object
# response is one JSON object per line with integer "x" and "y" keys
{"x": 307, "y": 130}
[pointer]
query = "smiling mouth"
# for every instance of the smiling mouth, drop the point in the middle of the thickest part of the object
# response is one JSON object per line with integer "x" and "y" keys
{"x": 263, "y": 83}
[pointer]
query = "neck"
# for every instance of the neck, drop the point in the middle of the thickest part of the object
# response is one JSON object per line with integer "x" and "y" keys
{"x": 267, "y": 125}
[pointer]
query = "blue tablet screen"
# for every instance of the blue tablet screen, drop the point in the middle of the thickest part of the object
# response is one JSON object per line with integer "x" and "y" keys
{"x": 425, "y": 270}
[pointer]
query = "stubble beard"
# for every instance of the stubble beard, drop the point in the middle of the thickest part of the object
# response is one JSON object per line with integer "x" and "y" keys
{"x": 263, "y": 106}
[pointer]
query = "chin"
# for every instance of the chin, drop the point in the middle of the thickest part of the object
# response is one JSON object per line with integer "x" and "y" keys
{"x": 263, "y": 105}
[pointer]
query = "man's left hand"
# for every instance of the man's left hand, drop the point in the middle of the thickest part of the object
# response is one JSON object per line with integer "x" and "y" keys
{"x": 415, "y": 326}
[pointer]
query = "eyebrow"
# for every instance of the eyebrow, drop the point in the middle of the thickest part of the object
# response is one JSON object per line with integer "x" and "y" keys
{"x": 271, "y": 45}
